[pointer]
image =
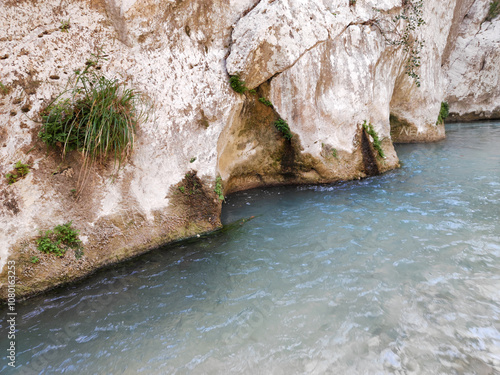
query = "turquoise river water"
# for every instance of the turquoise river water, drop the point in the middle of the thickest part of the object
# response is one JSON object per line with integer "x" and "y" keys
{"x": 396, "y": 274}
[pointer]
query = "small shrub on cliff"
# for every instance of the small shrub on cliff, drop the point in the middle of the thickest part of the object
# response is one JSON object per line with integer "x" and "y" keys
{"x": 443, "y": 113}
{"x": 19, "y": 172}
{"x": 237, "y": 84}
{"x": 376, "y": 141}
{"x": 58, "y": 240}
{"x": 283, "y": 127}
{"x": 218, "y": 188}
{"x": 99, "y": 118}
{"x": 493, "y": 11}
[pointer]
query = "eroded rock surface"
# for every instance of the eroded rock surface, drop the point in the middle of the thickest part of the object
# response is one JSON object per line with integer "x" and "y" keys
{"x": 472, "y": 66}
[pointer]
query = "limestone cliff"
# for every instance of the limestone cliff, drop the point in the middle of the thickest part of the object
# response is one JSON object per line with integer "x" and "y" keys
{"x": 325, "y": 67}
{"x": 471, "y": 64}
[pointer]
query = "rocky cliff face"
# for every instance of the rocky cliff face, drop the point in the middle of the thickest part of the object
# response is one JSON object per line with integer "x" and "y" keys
{"x": 471, "y": 63}
{"x": 325, "y": 66}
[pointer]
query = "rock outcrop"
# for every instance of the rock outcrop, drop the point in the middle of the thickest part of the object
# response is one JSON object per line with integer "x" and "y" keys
{"x": 325, "y": 67}
{"x": 472, "y": 65}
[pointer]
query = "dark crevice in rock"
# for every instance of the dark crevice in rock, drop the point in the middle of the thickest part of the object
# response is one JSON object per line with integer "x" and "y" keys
{"x": 288, "y": 165}
{"x": 369, "y": 160}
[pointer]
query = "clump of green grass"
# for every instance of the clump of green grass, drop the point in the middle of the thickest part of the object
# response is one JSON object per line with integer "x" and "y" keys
{"x": 58, "y": 240}
{"x": 218, "y": 188}
{"x": 376, "y": 142}
{"x": 266, "y": 102}
{"x": 493, "y": 11}
{"x": 443, "y": 113}
{"x": 237, "y": 84}
{"x": 19, "y": 172}
{"x": 99, "y": 118}
{"x": 283, "y": 127}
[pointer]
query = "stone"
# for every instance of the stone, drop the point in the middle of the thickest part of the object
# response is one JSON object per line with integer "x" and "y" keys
{"x": 325, "y": 66}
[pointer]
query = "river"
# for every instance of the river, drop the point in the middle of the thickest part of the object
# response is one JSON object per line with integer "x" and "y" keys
{"x": 398, "y": 273}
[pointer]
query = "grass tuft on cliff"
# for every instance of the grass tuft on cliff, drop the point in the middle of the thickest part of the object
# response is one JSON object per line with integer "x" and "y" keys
{"x": 98, "y": 118}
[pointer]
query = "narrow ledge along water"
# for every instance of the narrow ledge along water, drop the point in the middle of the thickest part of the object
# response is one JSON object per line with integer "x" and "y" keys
{"x": 393, "y": 274}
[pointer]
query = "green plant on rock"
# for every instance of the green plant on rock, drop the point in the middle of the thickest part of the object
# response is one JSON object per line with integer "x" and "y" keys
{"x": 493, "y": 11}
{"x": 19, "y": 172}
{"x": 401, "y": 32}
{"x": 237, "y": 84}
{"x": 58, "y": 240}
{"x": 35, "y": 259}
{"x": 96, "y": 116}
{"x": 65, "y": 25}
{"x": 443, "y": 113}
{"x": 283, "y": 127}
{"x": 376, "y": 141}
{"x": 4, "y": 90}
{"x": 218, "y": 188}
{"x": 266, "y": 102}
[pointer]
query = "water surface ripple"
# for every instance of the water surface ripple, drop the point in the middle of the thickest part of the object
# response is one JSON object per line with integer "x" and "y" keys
{"x": 392, "y": 274}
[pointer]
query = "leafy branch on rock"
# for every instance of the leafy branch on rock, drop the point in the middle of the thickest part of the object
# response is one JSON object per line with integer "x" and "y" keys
{"x": 400, "y": 32}
{"x": 376, "y": 141}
